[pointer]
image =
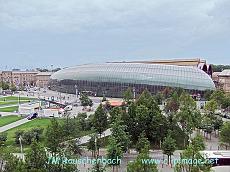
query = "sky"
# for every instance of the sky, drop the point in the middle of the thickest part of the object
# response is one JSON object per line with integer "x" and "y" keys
{"x": 45, "y": 33}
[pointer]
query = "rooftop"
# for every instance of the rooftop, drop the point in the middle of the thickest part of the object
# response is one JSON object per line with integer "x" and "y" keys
{"x": 225, "y": 72}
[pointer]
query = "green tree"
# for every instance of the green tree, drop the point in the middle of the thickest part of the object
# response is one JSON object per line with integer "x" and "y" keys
{"x": 172, "y": 103}
{"x": 143, "y": 143}
{"x": 192, "y": 153}
{"x": 130, "y": 119}
{"x": 13, "y": 164}
{"x": 146, "y": 99}
{"x": 169, "y": 146}
{"x": 118, "y": 132}
{"x": 198, "y": 143}
{"x": 218, "y": 96}
{"x": 4, "y": 85}
{"x": 54, "y": 135}
{"x": 36, "y": 158}
{"x": 226, "y": 102}
{"x": 114, "y": 151}
{"x": 93, "y": 144}
{"x": 128, "y": 95}
{"x": 69, "y": 128}
{"x": 141, "y": 164}
{"x": 225, "y": 133}
{"x": 3, "y": 138}
{"x": 188, "y": 116}
{"x": 85, "y": 100}
{"x": 207, "y": 94}
{"x": 13, "y": 87}
{"x": 100, "y": 121}
{"x": 114, "y": 113}
{"x": 211, "y": 106}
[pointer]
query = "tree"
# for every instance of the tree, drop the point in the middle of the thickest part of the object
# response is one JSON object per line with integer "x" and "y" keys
{"x": 207, "y": 94}
{"x": 69, "y": 128}
{"x": 211, "y": 106}
{"x": 98, "y": 168}
{"x": 128, "y": 95}
{"x": 130, "y": 119}
{"x": 18, "y": 134}
{"x": 146, "y": 99}
{"x": 218, "y": 96}
{"x": 169, "y": 146}
{"x": 225, "y": 133}
{"x": 36, "y": 158}
{"x": 172, "y": 103}
{"x": 141, "y": 164}
{"x": 100, "y": 122}
{"x": 13, "y": 88}
{"x": 167, "y": 92}
{"x": 13, "y": 164}
{"x": 192, "y": 154}
{"x": 143, "y": 143}
{"x": 114, "y": 151}
{"x": 93, "y": 144}
{"x": 85, "y": 100}
{"x": 4, "y": 85}
{"x": 54, "y": 135}
{"x": 226, "y": 102}
{"x": 207, "y": 125}
{"x": 3, "y": 138}
{"x": 121, "y": 136}
{"x": 82, "y": 121}
{"x": 114, "y": 113}
{"x": 198, "y": 143}
{"x": 159, "y": 98}
{"x": 188, "y": 116}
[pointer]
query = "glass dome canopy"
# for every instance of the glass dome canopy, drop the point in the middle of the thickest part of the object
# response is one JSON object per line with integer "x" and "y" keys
{"x": 190, "y": 78}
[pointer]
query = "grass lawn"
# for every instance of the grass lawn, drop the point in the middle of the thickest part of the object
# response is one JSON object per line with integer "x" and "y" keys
{"x": 12, "y": 102}
{"x": 8, "y": 119}
{"x": 9, "y": 109}
{"x": 37, "y": 123}
{"x": 12, "y": 98}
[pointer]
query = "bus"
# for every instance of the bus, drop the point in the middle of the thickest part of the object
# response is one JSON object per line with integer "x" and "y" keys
{"x": 219, "y": 157}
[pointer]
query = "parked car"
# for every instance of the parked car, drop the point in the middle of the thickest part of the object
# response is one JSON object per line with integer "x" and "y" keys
{"x": 68, "y": 108}
{"x": 32, "y": 116}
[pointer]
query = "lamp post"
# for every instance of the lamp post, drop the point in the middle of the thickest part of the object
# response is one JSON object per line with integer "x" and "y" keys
{"x": 76, "y": 90}
{"x": 18, "y": 102}
{"x": 134, "y": 93}
{"x": 20, "y": 141}
{"x": 160, "y": 133}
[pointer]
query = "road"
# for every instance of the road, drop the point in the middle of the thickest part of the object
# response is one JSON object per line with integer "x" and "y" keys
{"x": 13, "y": 125}
{"x": 85, "y": 139}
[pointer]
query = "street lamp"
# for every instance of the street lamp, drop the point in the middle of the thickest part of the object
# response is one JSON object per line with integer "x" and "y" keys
{"x": 76, "y": 90}
{"x": 20, "y": 141}
{"x": 18, "y": 102}
{"x": 160, "y": 133}
{"x": 134, "y": 93}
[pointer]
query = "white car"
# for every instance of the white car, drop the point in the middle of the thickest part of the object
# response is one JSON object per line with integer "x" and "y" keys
{"x": 68, "y": 108}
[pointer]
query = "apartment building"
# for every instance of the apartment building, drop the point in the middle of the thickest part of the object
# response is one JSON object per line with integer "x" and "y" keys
{"x": 25, "y": 78}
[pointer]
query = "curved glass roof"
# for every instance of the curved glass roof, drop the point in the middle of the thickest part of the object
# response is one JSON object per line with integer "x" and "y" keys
{"x": 138, "y": 73}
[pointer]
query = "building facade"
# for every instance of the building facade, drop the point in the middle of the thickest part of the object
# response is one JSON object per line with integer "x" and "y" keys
{"x": 223, "y": 79}
{"x": 42, "y": 79}
{"x": 112, "y": 79}
{"x": 25, "y": 78}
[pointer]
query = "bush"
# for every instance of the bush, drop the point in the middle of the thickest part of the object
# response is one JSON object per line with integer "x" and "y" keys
{"x": 3, "y": 138}
{"x": 28, "y": 136}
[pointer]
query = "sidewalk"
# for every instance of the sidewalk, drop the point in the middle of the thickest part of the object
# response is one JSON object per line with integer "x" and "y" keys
{"x": 13, "y": 125}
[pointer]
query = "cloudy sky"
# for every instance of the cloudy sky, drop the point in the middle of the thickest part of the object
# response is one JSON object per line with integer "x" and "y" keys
{"x": 41, "y": 33}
